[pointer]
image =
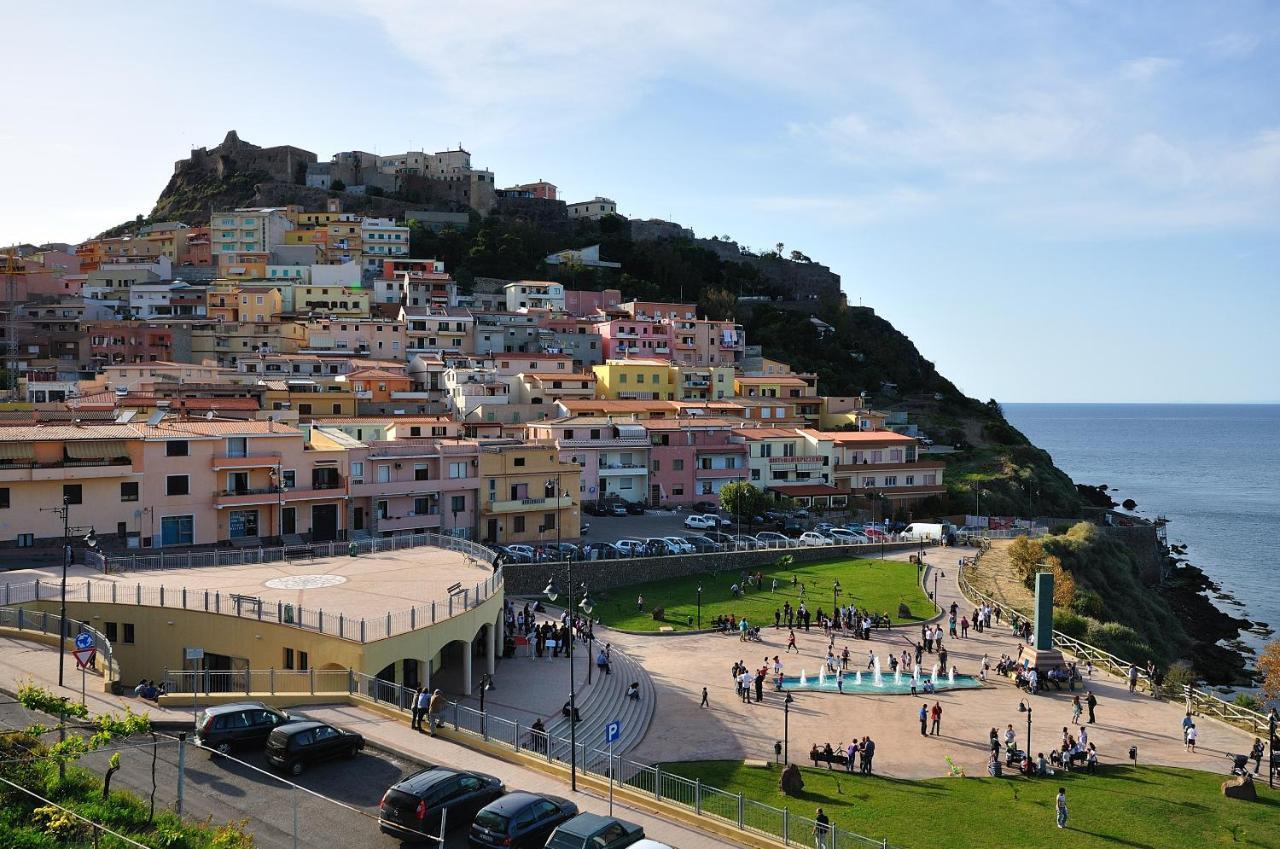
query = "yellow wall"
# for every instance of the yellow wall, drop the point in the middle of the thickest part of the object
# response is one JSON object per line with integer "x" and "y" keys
{"x": 618, "y": 379}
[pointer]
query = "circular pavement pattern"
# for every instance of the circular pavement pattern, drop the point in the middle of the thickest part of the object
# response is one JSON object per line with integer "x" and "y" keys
{"x": 305, "y": 582}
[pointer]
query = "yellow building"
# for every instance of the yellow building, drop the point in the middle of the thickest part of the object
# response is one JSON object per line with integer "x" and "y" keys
{"x": 773, "y": 386}
{"x": 310, "y": 399}
{"x": 258, "y": 304}
{"x": 518, "y": 487}
{"x": 635, "y": 380}
{"x": 702, "y": 383}
{"x": 329, "y": 299}
{"x": 226, "y": 343}
{"x": 344, "y": 241}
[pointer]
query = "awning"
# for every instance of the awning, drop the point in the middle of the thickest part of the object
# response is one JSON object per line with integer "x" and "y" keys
{"x": 17, "y": 451}
{"x": 97, "y": 449}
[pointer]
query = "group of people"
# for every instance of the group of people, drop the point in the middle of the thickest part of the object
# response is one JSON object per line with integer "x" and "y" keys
{"x": 747, "y": 680}
{"x": 150, "y": 690}
{"x": 858, "y": 754}
{"x": 426, "y": 706}
{"x": 792, "y": 617}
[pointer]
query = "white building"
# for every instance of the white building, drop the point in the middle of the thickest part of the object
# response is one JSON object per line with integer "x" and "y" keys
{"x": 381, "y": 239}
{"x": 247, "y": 230}
{"x": 534, "y": 294}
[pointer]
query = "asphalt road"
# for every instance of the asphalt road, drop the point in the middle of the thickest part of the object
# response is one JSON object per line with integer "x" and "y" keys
{"x": 226, "y": 791}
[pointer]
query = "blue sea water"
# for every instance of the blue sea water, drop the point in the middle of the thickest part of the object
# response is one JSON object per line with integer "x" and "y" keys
{"x": 1210, "y": 468}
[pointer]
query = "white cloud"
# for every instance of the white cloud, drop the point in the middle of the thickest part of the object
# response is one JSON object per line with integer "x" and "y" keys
{"x": 1147, "y": 68}
{"x": 1235, "y": 45}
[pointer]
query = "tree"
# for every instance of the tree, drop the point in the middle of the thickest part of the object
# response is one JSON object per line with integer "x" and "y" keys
{"x": 717, "y": 304}
{"x": 796, "y": 256}
{"x": 743, "y": 501}
{"x": 1269, "y": 669}
{"x": 1025, "y": 556}
{"x": 338, "y": 186}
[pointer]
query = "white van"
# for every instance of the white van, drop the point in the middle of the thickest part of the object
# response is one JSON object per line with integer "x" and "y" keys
{"x": 925, "y": 530}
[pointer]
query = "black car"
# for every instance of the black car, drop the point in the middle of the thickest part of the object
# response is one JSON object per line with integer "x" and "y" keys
{"x": 519, "y": 820}
{"x": 706, "y": 507}
{"x": 593, "y": 831}
{"x": 246, "y": 725}
{"x": 595, "y": 508}
{"x": 411, "y": 809}
{"x": 293, "y": 747}
{"x": 703, "y": 544}
{"x": 511, "y": 556}
{"x": 634, "y": 508}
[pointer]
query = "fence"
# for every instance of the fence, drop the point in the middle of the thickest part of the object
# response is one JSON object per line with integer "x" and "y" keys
{"x": 49, "y": 623}
{"x": 702, "y": 800}
{"x": 362, "y": 630}
{"x": 1206, "y": 703}
{"x": 308, "y": 551}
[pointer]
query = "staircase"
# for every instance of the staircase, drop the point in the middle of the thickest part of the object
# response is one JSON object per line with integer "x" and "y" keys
{"x": 603, "y": 702}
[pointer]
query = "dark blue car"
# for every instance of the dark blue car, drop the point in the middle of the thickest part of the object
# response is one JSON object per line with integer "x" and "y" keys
{"x": 519, "y": 820}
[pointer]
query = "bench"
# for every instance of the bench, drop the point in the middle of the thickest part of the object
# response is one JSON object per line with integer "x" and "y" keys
{"x": 252, "y": 600}
{"x": 756, "y": 763}
{"x": 246, "y": 542}
{"x": 834, "y": 758}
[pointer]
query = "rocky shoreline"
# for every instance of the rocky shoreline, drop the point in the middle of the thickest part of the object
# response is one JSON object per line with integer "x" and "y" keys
{"x": 1217, "y": 652}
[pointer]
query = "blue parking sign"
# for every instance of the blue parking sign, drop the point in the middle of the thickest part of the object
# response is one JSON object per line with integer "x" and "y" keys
{"x": 612, "y": 731}
{"x": 84, "y": 641}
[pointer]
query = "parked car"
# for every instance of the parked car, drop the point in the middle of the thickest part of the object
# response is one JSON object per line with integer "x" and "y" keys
{"x": 413, "y": 806}
{"x": 634, "y": 508}
{"x": 773, "y": 539}
{"x": 524, "y": 552}
{"x": 706, "y": 506}
{"x": 742, "y": 542}
{"x": 725, "y": 541}
{"x": 618, "y": 509}
{"x": 659, "y": 547}
{"x": 630, "y": 547}
{"x": 814, "y": 538}
{"x": 593, "y": 831}
{"x": 595, "y": 508}
{"x": 241, "y": 725}
{"x": 559, "y": 550}
{"x": 703, "y": 545}
{"x": 600, "y": 551}
{"x": 823, "y": 527}
{"x": 510, "y": 555}
{"x": 519, "y": 821}
{"x": 791, "y": 527}
{"x": 296, "y": 745}
{"x": 680, "y": 545}
{"x": 846, "y": 536}
{"x": 874, "y": 534}
{"x": 701, "y": 523}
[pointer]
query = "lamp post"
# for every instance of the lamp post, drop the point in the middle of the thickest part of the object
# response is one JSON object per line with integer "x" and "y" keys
{"x": 552, "y": 593}
{"x": 699, "y": 607}
{"x": 91, "y": 542}
{"x": 1271, "y": 747}
{"x": 835, "y": 594}
{"x": 486, "y": 683}
{"x": 786, "y": 728}
{"x": 936, "y": 575}
{"x": 1028, "y": 730}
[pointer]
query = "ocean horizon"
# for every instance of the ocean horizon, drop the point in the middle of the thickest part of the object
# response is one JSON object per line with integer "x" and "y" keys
{"x": 1208, "y": 468}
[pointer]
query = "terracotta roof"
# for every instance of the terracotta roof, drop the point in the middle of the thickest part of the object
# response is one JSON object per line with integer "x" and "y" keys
{"x": 781, "y": 379}
{"x": 388, "y": 420}
{"x": 224, "y": 427}
{"x": 863, "y": 436}
{"x": 691, "y": 422}
{"x": 767, "y": 432}
{"x": 66, "y": 433}
{"x": 556, "y": 375}
{"x": 375, "y": 373}
{"x": 619, "y": 405}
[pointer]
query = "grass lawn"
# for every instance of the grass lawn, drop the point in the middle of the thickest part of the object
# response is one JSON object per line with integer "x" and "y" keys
{"x": 1145, "y": 808}
{"x": 877, "y": 585}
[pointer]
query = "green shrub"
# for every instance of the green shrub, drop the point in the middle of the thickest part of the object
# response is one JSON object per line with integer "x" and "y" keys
{"x": 1088, "y": 603}
{"x": 1248, "y": 701}
{"x": 1120, "y": 640}
{"x": 1180, "y": 675}
{"x": 1071, "y": 624}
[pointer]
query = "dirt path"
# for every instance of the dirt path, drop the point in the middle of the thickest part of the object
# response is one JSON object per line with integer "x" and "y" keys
{"x": 994, "y": 575}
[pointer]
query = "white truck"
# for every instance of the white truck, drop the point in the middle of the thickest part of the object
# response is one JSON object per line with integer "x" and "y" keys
{"x": 926, "y": 530}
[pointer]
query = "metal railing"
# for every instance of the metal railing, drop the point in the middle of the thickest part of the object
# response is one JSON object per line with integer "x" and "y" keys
{"x": 588, "y": 554}
{"x": 702, "y": 800}
{"x": 1207, "y": 703}
{"x": 361, "y": 630}
{"x": 314, "y": 550}
{"x": 48, "y": 623}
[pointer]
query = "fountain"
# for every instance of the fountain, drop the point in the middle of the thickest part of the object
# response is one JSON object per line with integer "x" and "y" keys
{"x": 915, "y": 674}
{"x": 875, "y": 675}
{"x": 857, "y": 678}
{"x": 822, "y": 676}
{"x": 804, "y": 682}
{"x": 934, "y": 676}
{"x": 951, "y": 677}
{"x": 897, "y": 676}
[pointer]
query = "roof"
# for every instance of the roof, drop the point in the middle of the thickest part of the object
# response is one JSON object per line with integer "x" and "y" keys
{"x": 781, "y": 379}
{"x": 691, "y": 422}
{"x": 66, "y": 433}
{"x": 807, "y": 489}
{"x": 619, "y": 405}
{"x": 613, "y": 361}
{"x": 224, "y": 427}
{"x": 388, "y": 420}
{"x": 559, "y": 375}
{"x": 768, "y": 432}
{"x": 516, "y": 355}
{"x": 376, "y": 373}
{"x": 863, "y": 436}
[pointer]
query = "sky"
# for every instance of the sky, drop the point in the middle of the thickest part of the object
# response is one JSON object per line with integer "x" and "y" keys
{"x": 1071, "y": 202}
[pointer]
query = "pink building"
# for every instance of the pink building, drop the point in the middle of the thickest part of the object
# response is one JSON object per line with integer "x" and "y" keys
{"x": 630, "y": 338}
{"x": 613, "y": 455}
{"x": 581, "y": 303}
{"x": 416, "y": 484}
{"x": 706, "y": 342}
{"x": 659, "y": 310}
{"x": 690, "y": 459}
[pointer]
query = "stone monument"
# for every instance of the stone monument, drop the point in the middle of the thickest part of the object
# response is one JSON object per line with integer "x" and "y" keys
{"x": 1043, "y": 656}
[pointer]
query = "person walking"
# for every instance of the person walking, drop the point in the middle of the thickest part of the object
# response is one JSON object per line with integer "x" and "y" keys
{"x": 821, "y": 827}
{"x": 1076, "y": 710}
{"x": 791, "y": 642}
{"x": 937, "y": 719}
{"x": 434, "y": 706}
{"x": 1061, "y": 806}
{"x": 1187, "y": 722}
{"x": 1092, "y": 701}
{"x": 924, "y": 719}
{"x": 1191, "y": 738}
{"x": 868, "y": 752}
{"x": 419, "y": 707}
{"x": 704, "y": 702}
{"x": 1133, "y": 677}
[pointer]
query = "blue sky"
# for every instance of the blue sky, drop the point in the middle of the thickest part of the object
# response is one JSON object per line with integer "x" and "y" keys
{"x": 1057, "y": 202}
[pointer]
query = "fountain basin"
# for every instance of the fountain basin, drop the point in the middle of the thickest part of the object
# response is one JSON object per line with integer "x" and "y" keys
{"x": 887, "y": 687}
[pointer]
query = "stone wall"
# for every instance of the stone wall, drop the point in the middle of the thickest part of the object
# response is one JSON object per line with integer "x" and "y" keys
{"x": 531, "y": 578}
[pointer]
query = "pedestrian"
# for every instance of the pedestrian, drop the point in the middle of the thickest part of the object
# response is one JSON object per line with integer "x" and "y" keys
{"x": 821, "y": 825}
{"x": 777, "y": 617}
{"x": 937, "y": 719}
{"x": 705, "y": 703}
{"x": 640, "y": 604}
{"x": 868, "y": 752}
{"x": 1191, "y": 738}
{"x": 419, "y": 707}
{"x": 1061, "y": 806}
{"x": 759, "y": 682}
{"x": 791, "y": 642}
{"x": 1076, "y": 710}
{"x": 1133, "y": 677}
{"x": 1092, "y": 701}
{"x": 924, "y": 719}
{"x": 1187, "y": 722}
{"x": 434, "y": 706}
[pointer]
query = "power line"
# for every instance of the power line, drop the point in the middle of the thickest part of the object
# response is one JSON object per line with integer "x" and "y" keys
{"x": 33, "y": 794}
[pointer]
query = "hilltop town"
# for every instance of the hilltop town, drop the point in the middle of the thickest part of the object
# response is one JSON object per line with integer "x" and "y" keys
{"x": 381, "y": 394}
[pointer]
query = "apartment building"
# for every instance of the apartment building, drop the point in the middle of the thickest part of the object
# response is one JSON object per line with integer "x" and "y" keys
{"x": 247, "y": 230}
{"x": 780, "y": 456}
{"x": 534, "y": 294}
{"x": 635, "y": 339}
{"x": 635, "y": 380}
{"x": 613, "y": 455}
{"x": 528, "y": 494}
{"x": 885, "y": 463}
{"x": 440, "y": 330}
{"x": 382, "y": 239}
{"x": 592, "y": 210}
{"x": 691, "y": 459}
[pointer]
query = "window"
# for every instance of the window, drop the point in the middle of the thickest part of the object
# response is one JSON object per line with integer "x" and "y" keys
{"x": 110, "y": 631}
{"x": 4, "y": 498}
{"x": 242, "y": 523}
{"x": 549, "y": 521}
{"x": 420, "y": 472}
{"x": 289, "y": 478}
{"x": 677, "y": 465}
{"x": 128, "y": 492}
{"x": 869, "y": 481}
{"x": 289, "y": 520}
{"x": 72, "y": 493}
{"x": 304, "y": 662}
{"x": 517, "y": 524}
{"x": 911, "y": 480}
{"x": 891, "y": 480}
{"x": 657, "y": 465}
{"x": 518, "y": 461}
{"x": 337, "y": 409}
{"x": 288, "y": 658}
{"x": 930, "y": 479}
{"x": 177, "y": 448}
{"x": 237, "y": 446}
{"x": 422, "y": 506}
{"x": 128, "y": 633}
{"x": 357, "y": 472}
{"x": 458, "y": 504}
{"x": 26, "y": 540}
{"x": 177, "y": 485}
{"x": 177, "y": 530}
{"x": 458, "y": 469}
{"x": 384, "y": 474}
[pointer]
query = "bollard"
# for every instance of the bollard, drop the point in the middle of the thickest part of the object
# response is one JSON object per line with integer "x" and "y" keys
{"x": 362, "y": 629}
{"x": 313, "y": 680}
{"x": 697, "y": 797}
{"x": 182, "y": 757}
{"x": 271, "y": 678}
{"x": 786, "y": 826}
{"x": 184, "y": 598}
{"x": 657, "y": 780}
{"x": 739, "y": 810}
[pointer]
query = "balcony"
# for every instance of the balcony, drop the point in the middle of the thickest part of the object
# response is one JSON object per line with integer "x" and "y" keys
{"x": 422, "y": 447}
{"x": 623, "y": 468}
{"x": 409, "y": 521}
{"x": 719, "y": 474}
{"x": 249, "y": 497}
{"x": 403, "y": 488}
{"x": 269, "y": 459}
{"x": 519, "y": 505}
{"x": 67, "y": 470}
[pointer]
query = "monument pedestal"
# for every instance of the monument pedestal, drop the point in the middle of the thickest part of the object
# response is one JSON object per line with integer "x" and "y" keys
{"x": 1042, "y": 660}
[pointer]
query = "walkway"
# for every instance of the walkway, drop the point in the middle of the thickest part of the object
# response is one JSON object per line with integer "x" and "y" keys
{"x": 682, "y": 665}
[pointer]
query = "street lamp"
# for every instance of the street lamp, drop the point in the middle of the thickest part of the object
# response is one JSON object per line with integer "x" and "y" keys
{"x": 1271, "y": 747}
{"x": 486, "y": 683}
{"x": 91, "y": 542}
{"x": 1026, "y": 707}
{"x": 586, "y": 606}
{"x": 699, "y": 607}
{"x": 786, "y": 728}
{"x": 937, "y": 575}
{"x": 835, "y": 594}
{"x": 552, "y": 593}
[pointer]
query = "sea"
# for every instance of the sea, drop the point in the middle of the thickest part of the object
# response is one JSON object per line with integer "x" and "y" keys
{"x": 1211, "y": 469}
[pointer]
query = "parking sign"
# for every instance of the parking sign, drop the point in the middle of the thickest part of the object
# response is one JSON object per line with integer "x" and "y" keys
{"x": 612, "y": 731}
